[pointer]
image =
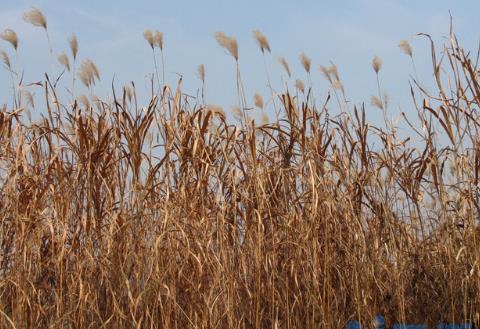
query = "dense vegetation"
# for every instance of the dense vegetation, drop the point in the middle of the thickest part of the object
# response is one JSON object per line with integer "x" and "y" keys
{"x": 122, "y": 214}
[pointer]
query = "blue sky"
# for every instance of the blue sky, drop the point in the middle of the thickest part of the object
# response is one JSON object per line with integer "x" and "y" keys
{"x": 348, "y": 33}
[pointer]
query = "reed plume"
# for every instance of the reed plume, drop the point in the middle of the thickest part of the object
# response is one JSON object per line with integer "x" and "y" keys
{"x": 5, "y": 59}
{"x": 406, "y": 48}
{"x": 63, "y": 59}
{"x": 300, "y": 85}
{"x": 35, "y": 17}
{"x": 306, "y": 62}
{"x": 404, "y": 45}
{"x": 326, "y": 73}
{"x": 148, "y": 35}
{"x": 375, "y": 101}
{"x": 10, "y": 36}
{"x": 88, "y": 72}
{"x": 285, "y": 66}
{"x": 201, "y": 72}
{"x": 263, "y": 43}
{"x": 228, "y": 43}
{"x": 73, "y": 42}
{"x": 261, "y": 40}
{"x": 377, "y": 64}
{"x": 158, "y": 39}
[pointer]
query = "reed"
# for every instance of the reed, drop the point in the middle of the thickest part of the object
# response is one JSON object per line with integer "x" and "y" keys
{"x": 123, "y": 213}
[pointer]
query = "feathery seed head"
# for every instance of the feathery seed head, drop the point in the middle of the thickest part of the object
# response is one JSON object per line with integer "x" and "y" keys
{"x": 375, "y": 101}
{"x": 35, "y": 17}
{"x": 326, "y": 72}
{"x": 258, "y": 101}
{"x": 63, "y": 59}
{"x": 158, "y": 39}
{"x": 284, "y": 63}
{"x": 337, "y": 84}
{"x": 406, "y": 48}
{"x": 261, "y": 40}
{"x": 88, "y": 72}
{"x": 229, "y": 43}
{"x": 300, "y": 85}
{"x": 148, "y": 35}
{"x": 201, "y": 72}
{"x": 306, "y": 62}
{"x": 333, "y": 71}
{"x": 5, "y": 59}
{"x": 376, "y": 64}
{"x": 10, "y": 36}
{"x": 73, "y": 42}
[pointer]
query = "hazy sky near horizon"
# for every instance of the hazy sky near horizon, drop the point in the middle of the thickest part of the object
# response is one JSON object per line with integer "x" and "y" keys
{"x": 348, "y": 33}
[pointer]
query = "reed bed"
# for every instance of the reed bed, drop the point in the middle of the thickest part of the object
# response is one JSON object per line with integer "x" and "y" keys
{"x": 166, "y": 214}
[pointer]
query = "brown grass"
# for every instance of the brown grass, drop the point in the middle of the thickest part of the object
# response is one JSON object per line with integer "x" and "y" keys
{"x": 114, "y": 215}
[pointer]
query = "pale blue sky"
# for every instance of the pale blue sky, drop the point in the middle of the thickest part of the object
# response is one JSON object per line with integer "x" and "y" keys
{"x": 349, "y": 33}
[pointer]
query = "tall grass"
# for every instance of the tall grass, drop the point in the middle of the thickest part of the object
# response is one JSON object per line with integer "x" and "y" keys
{"x": 167, "y": 215}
